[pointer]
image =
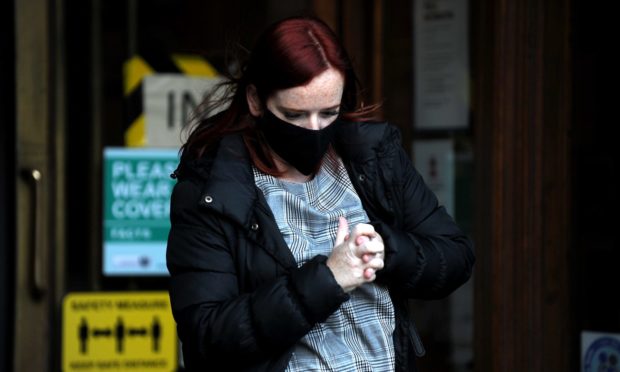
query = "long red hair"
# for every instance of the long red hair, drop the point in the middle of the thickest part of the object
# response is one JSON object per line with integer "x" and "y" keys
{"x": 288, "y": 54}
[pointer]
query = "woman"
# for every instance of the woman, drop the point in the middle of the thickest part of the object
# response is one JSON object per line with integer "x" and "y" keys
{"x": 299, "y": 230}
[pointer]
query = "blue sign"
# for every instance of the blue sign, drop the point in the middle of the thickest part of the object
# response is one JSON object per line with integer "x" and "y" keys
{"x": 603, "y": 355}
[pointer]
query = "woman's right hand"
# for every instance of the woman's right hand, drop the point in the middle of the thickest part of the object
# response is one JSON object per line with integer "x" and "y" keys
{"x": 356, "y": 255}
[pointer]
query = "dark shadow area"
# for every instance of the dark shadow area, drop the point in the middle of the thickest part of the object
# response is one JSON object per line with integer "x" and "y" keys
{"x": 7, "y": 182}
{"x": 594, "y": 169}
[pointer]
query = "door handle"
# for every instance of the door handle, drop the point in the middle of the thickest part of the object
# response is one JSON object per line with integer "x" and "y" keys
{"x": 37, "y": 265}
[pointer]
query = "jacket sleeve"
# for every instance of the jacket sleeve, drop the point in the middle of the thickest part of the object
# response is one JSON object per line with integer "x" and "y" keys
{"x": 215, "y": 320}
{"x": 427, "y": 255}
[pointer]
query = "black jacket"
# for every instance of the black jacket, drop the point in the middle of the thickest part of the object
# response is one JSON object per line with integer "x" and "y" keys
{"x": 238, "y": 298}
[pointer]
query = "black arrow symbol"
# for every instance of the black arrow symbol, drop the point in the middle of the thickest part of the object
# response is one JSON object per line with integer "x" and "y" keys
{"x": 105, "y": 332}
{"x": 137, "y": 331}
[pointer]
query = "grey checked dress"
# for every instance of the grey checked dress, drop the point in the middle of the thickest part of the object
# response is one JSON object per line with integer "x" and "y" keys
{"x": 358, "y": 336}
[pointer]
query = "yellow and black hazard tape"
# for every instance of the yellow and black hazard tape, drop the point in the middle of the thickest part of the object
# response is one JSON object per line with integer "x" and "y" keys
{"x": 136, "y": 69}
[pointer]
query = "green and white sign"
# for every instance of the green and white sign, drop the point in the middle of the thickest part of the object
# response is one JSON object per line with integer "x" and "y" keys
{"x": 136, "y": 202}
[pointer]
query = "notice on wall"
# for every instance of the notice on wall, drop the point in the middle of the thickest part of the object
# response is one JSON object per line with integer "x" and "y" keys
{"x": 441, "y": 64}
{"x": 600, "y": 351}
{"x": 434, "y": 160}
{"x": 170, "y": 104}
{"x": 137, "y": 188}
{"x": 118, "y": 331}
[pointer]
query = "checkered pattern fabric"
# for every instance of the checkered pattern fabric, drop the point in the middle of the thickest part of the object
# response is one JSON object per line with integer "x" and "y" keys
{"x": 358, "y": 336}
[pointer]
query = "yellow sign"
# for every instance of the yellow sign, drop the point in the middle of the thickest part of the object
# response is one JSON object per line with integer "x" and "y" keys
{"x": 118, "y": 331}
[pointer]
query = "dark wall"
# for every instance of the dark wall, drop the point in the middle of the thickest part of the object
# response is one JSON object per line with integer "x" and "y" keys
{"x": 7, "y": 180}
{"x": 595, "y": 166}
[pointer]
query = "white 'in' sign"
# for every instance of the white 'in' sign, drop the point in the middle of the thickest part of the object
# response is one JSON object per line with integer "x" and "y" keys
{"x": 170, "y": 101}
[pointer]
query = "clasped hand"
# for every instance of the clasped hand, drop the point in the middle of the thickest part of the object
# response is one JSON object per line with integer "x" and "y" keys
{"x": 356, "y": 256}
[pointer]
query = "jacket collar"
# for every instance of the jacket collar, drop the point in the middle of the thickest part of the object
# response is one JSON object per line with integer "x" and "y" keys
{"x": 230, "y": 187}
{"x": 359, "y": 142}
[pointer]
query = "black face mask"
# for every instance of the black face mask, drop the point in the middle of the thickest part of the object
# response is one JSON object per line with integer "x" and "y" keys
{"x": 300, "y": 147}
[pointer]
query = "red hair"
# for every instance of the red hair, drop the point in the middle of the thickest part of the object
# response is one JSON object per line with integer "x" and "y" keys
{"x": 288, "y": 54}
